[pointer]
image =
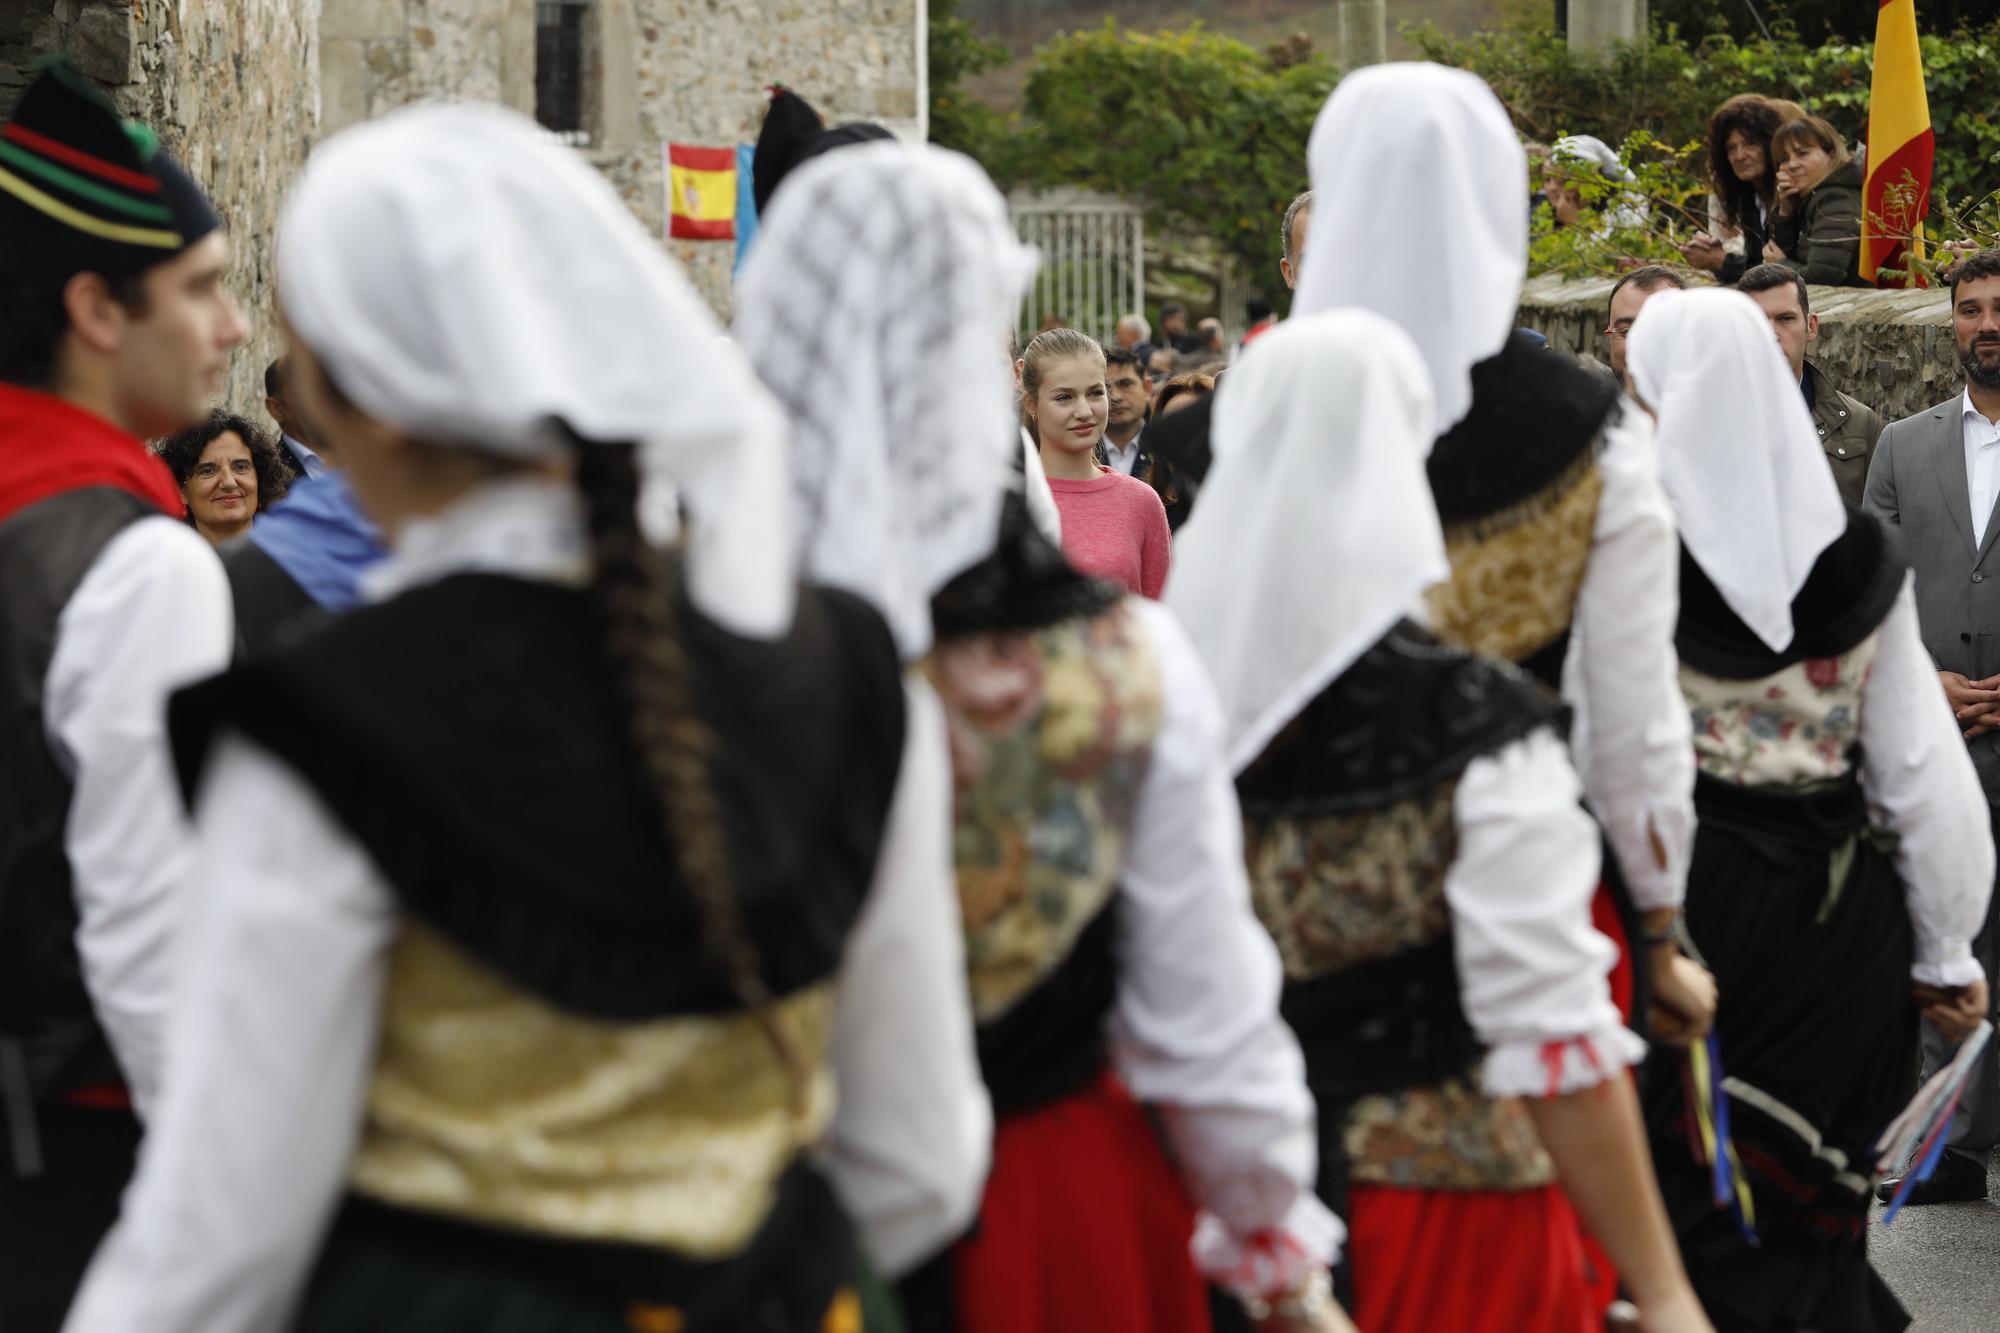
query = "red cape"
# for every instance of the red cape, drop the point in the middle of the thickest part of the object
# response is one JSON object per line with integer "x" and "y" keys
{"x": 49, "y": 447}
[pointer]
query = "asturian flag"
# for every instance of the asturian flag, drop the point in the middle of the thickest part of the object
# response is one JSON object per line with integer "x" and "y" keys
{"x": 701, "y": 192}
{"x": 1900, "y": 145}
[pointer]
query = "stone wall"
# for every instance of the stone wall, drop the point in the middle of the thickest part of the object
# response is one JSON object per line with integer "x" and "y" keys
{"x": 232, "y": 87}
{"x": 1892, "y": 350}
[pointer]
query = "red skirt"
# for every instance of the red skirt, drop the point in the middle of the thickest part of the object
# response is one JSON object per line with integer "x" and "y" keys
{"x": 1085, "y": 1227}
{"x": 1470, "y": 1261}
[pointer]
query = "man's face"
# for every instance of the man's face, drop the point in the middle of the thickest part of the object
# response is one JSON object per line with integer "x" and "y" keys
{"x": 1174, "y": 325}
{"x": 169, "y": 362}
{"x": 1794, "y": 327}
{"x": 1290, "y": 267}
{"x": 1618, "y": 331}
{"x": 1160, "y": 366}
{"x": 1129, "y": 395}
{"x": 1975, "y": 326}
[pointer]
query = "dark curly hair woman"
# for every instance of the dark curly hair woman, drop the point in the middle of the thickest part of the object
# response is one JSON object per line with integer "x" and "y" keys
{"x": 228, "y": 470}
{"x": 1743, "y": 177}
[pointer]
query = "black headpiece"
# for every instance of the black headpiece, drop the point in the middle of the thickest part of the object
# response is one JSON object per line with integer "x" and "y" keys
{"x": 82, "y": 189}
{"x": 793, "y": 133}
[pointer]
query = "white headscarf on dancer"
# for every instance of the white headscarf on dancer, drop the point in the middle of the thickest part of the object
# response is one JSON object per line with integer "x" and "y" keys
{"x": 876, "y": 305}
{"x": 471, "y": 283}
{"x": 1316, "y": 531}
{"x": 1740, "y": 458}
{"x": 1420, "y": 214}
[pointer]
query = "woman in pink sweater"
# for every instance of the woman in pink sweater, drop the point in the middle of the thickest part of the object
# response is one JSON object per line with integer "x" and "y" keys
{"x": 1113, "y": 526}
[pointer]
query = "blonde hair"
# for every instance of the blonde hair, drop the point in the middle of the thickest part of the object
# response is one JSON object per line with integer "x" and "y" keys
{"x": 1047, "y": 349}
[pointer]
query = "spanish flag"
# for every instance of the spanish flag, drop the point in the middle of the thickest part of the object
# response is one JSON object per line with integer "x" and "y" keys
{"x": 701, "y": 192}
{"x": 1897, "y": 194}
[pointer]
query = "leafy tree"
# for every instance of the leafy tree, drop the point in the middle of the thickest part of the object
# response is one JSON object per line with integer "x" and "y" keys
{"x": 956, "y": 51}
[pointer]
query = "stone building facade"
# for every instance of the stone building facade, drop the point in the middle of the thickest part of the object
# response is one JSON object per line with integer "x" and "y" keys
{"x": 240, "y": 90}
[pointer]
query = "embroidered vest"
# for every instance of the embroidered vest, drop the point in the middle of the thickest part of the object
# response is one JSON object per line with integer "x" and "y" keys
{"x": 1791, "y": 718}
{"x": 560, "y": 1057}
{"x": 1349, "y": 833}
{"x": 1517, "y": 488}
{"x": 1051, "y": 733}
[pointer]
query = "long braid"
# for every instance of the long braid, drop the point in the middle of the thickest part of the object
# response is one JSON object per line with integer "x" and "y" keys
{"x": 635, "y": 600}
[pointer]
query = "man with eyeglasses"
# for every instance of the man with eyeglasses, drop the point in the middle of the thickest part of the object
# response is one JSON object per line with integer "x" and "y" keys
{"x": 1633, "y": 291}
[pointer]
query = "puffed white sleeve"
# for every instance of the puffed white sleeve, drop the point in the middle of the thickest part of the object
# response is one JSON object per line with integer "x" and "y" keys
{"x": 913, "y": 1135}
{"x": 1195, "y": 1029}
{"x": 270, "y": 1039}
{"x": 151, "y": 614}
{"x": 1633, "y": 741}
{"x": 1532, "y": 969}
{"x": 1921, "y": 786}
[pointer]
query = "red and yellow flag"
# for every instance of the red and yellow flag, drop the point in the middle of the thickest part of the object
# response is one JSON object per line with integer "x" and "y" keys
{"x": 701, "y": 192}
{"x": 1897, "y": 194}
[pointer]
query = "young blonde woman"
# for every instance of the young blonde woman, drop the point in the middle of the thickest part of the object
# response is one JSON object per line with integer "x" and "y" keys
{"x": 1816, "y": 222}
{"x": 1114, "y": 526}
{"x": 539, "y": 916}
{"x": 1112, "y": 958}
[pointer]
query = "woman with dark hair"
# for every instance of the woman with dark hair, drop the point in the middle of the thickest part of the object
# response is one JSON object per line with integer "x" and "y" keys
{"x": 1816, "y": 227}
{"x": 228, "y": 470}
{"x": 1743, "y": 182}
{"x": 542, "y": 915}
{"x": 1182, "y": 391}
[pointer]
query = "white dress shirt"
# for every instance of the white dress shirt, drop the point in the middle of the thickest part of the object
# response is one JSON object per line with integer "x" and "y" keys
{"x": 1125, "y": 459}
{"x": 1982, "y": 458}
{"x": 152, "y": 614}
{"x": 1632, "y": 739}
{"x": 273, "y": 1027}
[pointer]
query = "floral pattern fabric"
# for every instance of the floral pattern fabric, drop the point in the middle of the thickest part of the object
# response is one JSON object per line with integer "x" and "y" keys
{"x": 1447, "y": 1136}
{"x": 1796, "y": 727}
{"x": 1515, "y": 577}
{"x": 1336, "y": 890}
{"x": 1051, "y": 734}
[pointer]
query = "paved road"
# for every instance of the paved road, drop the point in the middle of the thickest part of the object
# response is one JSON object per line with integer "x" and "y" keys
{"x": 1943, "y": 1262}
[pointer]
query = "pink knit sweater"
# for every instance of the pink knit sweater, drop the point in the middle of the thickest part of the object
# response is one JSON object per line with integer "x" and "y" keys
{"x": 1114, "y": 527}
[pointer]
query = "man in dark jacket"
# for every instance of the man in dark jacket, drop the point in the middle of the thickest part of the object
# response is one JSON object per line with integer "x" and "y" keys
{"x": 1848, "y": 427}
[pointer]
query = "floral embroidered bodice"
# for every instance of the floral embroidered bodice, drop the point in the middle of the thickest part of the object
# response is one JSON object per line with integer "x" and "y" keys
{"x": 1793, "y": 728}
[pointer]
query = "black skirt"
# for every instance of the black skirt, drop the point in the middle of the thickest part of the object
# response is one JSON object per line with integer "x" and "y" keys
{"x": 1818, "y": 1037}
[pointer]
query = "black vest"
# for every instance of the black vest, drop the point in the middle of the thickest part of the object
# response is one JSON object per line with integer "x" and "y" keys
{"x": 272, "y": 610}
{"x": 45, "y": 551}
{"x": 470, "y": 735}
{"x": 1853, "y": 584}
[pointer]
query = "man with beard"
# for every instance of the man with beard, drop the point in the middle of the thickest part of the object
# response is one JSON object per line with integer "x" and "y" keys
{"x": 1948, "y": 535}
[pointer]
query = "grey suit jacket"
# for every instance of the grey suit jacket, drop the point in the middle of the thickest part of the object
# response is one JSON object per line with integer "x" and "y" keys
{"x": 1917, "y": 482}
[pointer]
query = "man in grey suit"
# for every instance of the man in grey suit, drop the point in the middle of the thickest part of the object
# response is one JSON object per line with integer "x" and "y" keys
{"x": 1936, "y": 476}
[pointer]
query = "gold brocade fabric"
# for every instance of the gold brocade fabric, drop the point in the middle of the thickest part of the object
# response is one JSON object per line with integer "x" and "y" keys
{"x": 1336, "y": 891}
{"x": 1796, "y": 727}
{"x": 490, "y": 1106}
{"x": 1515, "y": 575}
{"x": 1450, "y": 1136}
{"x": 1051, "y": 732}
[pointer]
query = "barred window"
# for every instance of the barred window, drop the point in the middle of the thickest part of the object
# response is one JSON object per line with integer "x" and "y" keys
{"x": 559, "y": 69}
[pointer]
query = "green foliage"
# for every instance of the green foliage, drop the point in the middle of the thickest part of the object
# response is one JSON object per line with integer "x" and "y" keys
{"x": 955, "y": 51}
{"x": 1818, "y": 20}
{"x": 1207, "y": 133}
{"x": 1668, "y": 88}
{"x": 1638, "y": 221}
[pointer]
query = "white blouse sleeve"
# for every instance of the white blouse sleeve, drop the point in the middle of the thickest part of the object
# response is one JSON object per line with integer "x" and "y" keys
{"x": 270, "y": 1039}
{"x": 1195, "y": 1030}
{"x": 1633, "y": 741}
{"x": 913, "y": 1136}
{"x": 1531, "y": 966}
{"x": 1922, "y": 787}
{"x": 151, "y": 614}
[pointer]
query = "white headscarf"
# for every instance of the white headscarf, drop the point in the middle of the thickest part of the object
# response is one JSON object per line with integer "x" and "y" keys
{"x": 876, "y": 305}
{"x": 1739, "y": 457}
{"x": 469, "y": 282}
{"x": 1316, "y": 531}
{"x": 1420, "y": 214}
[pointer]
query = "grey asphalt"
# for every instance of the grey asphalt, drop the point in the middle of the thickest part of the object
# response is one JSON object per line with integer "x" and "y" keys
{"x": 1943, "y": 1262}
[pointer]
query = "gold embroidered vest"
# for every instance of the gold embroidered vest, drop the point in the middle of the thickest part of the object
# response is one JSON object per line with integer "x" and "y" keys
{"x": 1349, "y": 832}
{"x": 490, "y": 1106}
{"x": 1051, "y": 732}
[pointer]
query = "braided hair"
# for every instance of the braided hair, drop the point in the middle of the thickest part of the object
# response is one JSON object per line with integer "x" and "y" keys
{"x": 635, "y": 596}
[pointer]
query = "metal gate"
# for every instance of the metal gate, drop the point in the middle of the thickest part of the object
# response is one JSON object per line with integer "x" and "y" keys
{"x": 1093, "y": 270}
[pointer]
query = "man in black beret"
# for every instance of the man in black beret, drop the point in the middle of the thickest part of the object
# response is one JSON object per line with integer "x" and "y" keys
{"x": 115, "y": 326}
